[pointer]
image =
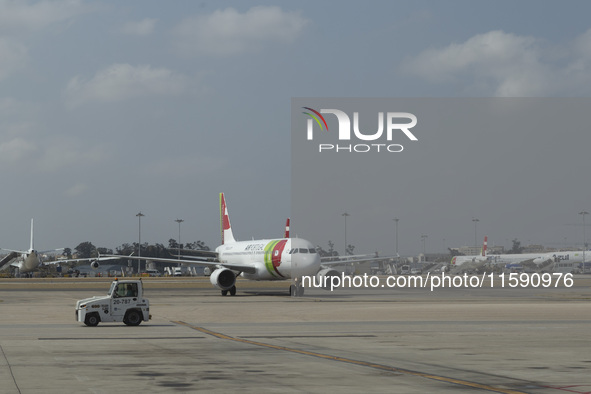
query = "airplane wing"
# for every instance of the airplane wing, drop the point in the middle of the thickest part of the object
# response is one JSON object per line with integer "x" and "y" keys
{"x": 212, "y": 259}
{"x": 100, "y": 258}
{"x": 15, "y": 251}
{"x": 164, "y": 260}
{"x": 328, "y": 259}
{"x": 194, "y": 253}
{"x": 351, "y": 260}
{"x": 248, "y": 268}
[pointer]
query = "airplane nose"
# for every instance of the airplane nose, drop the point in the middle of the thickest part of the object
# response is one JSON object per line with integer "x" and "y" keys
{"x": 305, "y": 264}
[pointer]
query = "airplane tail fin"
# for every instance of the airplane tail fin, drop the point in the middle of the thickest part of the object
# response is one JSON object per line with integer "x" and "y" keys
{"x": 31, "y": 246}
{"x": 484, "y": 245}
{"x": 227, "y": 236}
{"x": 286, "y": 235}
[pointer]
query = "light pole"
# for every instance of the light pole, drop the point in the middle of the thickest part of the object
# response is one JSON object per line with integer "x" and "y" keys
{"x": 139, "y": 244}
{"x": 396, "y": 221}
{"x": 583, "y": 213}
{"x": 475, "y": 225}
{"x": 345, "y": 215}
{"x": 179, "y": 221}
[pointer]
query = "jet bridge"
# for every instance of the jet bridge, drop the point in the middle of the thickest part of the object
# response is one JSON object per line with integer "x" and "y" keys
{"x": 5, "y": 262}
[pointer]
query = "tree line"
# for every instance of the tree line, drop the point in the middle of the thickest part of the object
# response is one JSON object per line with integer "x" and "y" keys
{"x": 88, "y": 250}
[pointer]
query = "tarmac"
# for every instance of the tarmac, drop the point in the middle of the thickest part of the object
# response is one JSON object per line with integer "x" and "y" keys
{"x": 371, "y": 340}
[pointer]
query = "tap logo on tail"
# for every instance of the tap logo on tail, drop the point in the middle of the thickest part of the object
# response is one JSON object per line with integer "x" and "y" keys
{"x": 227, "y": 236}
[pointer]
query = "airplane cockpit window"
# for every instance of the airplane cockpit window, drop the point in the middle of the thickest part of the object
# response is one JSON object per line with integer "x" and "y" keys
{"x": 302, "y": 250}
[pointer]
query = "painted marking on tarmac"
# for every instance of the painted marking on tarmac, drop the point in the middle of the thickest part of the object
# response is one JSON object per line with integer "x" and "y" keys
{"x": 10, "y": 369}
{"x": 388, "y": 368}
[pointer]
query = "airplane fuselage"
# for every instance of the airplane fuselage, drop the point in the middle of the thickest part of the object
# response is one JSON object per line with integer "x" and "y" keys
{"x": 27, "y": 261}
{"x": 575, "y": 256}
{"x": 273, "y": 259}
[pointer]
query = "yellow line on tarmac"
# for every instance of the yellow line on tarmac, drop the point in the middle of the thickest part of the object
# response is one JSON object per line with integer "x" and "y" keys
{"x": 357, "y": 362}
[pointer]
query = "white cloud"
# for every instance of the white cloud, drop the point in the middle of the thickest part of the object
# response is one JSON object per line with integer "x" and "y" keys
{"x": 506, "y": 64}
{"x": 76, "y": 190}
{"x": 15, "y": 150}
{"x": 16, "y": 109}
{"x": 25, "y": 145}
{"x": 123, "y": 81}
{"x": 17, "y": 129}
{"x": 61, "y": 153}
{"x": 502, "y": 64}
{"x": 228, "y": 32}
{"x": 144, "y": 27}
{"x": 13, "y": 56}
{"x": 21, "y": 15}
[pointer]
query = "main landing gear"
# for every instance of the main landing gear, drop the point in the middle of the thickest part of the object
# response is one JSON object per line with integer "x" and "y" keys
{"x": 232, "y": 291}
{"x": 296, "y": 290}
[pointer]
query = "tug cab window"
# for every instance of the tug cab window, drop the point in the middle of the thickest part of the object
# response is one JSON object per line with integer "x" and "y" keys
{"x": 126, "y": 290}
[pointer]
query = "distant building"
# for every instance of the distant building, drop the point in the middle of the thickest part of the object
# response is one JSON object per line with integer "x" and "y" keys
{"x": 495, "y": 250}
{"x": 470, "y": 250}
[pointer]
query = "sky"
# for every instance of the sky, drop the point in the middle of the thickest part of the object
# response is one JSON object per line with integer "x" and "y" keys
{"x": 109, "y": 108}
{"x": 512, "y": 164}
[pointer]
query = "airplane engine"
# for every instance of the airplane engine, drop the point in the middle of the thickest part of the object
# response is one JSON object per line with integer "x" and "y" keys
{"x": 94, "y": 264}
{"x": 223, "y": 278}
{"x": 323, "y": 277}
{"x": 207, "y": 271}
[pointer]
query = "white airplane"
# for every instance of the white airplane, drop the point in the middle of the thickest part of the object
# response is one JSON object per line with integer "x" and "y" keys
{"x": 25, "y": 261}
{"x": 456, "y": 261}
{"x": 262, "y": 259}
{"x": 572, "y": 256}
